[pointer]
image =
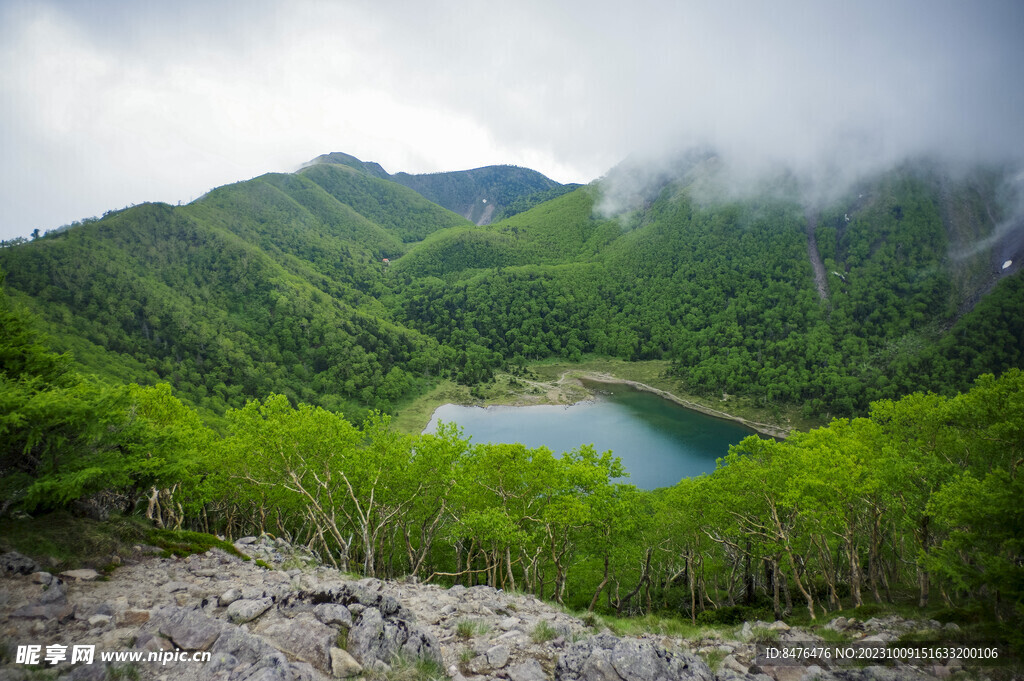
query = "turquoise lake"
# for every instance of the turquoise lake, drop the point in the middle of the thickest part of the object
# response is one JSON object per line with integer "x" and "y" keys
{"x": 658, "y": 441}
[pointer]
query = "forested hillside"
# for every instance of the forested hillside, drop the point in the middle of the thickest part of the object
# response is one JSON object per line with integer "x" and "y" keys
{"x": 270, "y": 285}
{"x": 227, "y": 355}
{"x": 917, "y": 502}
{"x": 480, "y": 195}
{"x": 726, "y": 290}
{"x": 337, "y": 287}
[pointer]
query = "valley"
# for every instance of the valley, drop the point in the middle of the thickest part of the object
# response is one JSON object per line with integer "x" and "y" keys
{"x": 263, "y": 361}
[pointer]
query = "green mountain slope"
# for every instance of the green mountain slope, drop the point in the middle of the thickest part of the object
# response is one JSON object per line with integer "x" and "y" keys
{"x": 478, "y": 195}
{"x": 269, "y": 285}
{"x": 727, "y": 290}
{"x": 278, "y": 284}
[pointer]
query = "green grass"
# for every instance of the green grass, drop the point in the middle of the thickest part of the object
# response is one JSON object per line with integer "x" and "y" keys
{"x": 60, "y": 541}
{"x": 764, "y": 635}
{"x": 714, "y": 659}
{"x": 404, "y": 669}
{"x": 649, "y": 624}
{"x": 469, "y": 628}
{"x": 543, "y": 632}
{"x": 833, "y": 636}
{"x": 185, "y": 543}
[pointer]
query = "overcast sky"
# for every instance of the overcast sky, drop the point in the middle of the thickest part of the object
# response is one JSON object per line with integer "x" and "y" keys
{"x": 105, "y": 104}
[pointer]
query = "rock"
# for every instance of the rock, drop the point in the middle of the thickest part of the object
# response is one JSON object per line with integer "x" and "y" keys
{"x": 55, "y": 594}
{"x": 43, "y": 578}
{"x": 245, "y": 610}
{"x": 333, "y": 613}
{"x": 530, "y": 670}
{"x": 133, "y": 617}
{"x": 344, "y": 665}
{"x": 598, "y": 667}
{"x": 188, "y": 629}
{"x": 373, "y": 638}
{"x": 730, "y": 662}
{"x": 89, "y": 672}
{"x": 14, "y": 563}
{"x": 245, "y": 541}
{"x": 99, "y": 620}
{"x": 81, "y": 575}
{"x": 607, "y": 658}
{"x": 497, "y": 656}
{"x": 61, "y": 612}
{"x": 171, "y": 587}
{"x": 305, "y": 638}
{"x": 508, "y": 623}
{"x": 220, "y": 662}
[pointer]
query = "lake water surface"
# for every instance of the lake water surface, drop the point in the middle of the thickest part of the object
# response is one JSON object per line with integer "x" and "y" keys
{"x": 658, "y": 441}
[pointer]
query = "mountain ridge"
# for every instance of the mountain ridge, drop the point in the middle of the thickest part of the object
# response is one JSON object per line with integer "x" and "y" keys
{"x": 478, "y": 194}
{"x": 337, "y": 287}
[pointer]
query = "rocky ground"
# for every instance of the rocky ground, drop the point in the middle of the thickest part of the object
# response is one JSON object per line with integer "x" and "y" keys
{"x": 302, "y": 621}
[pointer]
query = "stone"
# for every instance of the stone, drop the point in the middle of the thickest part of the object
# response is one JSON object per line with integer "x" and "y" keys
{"x": 89, "y": 672}
{"x": 598, "y": 667}
{"x": 99, "y": 620}
{"x": 303, "y": 637}
{"x": 333, "y": 613}
{"x": 730, "y": 662}
{"x": 220, "y": 662}
{"x": 43, "y": 578}
{"x": 497, "y": 656}
{"x": 171, "y": 587}
{"x": 229, "y": 597}
{"x": 246, "y": 610}
{"x": 55, "y": 594}
{"x": 530, "y": 670}
{"x": 14, "y": 563}
{"x": 130, "y": 618}
{"x": 508, "y": 623}
{"x": 85, "y": 575}
{"x": 62, "y": 612}
{"x": 343, "y": 665}
{"x": 188, "y": 629}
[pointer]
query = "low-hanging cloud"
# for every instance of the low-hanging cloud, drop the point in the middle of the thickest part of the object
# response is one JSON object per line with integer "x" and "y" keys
{"x": 106, "y": 104}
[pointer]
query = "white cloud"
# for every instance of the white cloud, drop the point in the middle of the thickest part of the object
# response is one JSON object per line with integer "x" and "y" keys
{"x": 108, "y": 104}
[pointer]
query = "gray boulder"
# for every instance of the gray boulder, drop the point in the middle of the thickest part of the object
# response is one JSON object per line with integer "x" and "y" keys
{"x": 608, "y": 658}
{"x": 304, "y": 638}
{"x": 14, "y": 563}
{"x": 374, "y": 638}
{"x": 246, "y": 610}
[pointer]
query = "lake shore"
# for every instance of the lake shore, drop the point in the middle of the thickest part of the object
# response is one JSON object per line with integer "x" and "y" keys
{"x": 562, "y": 384}
{"x": 762, "y": 428}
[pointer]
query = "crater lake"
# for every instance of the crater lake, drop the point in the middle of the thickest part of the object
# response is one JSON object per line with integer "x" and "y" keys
{"x": 659, "y": 442}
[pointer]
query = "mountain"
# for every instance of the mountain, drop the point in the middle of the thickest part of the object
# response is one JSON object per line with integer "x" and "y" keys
{"x": 268, "y": 285}
{"x": 479, "y": 195}
{"x": 280, "y": 285}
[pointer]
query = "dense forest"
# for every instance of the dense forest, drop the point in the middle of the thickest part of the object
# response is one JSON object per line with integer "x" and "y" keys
{"x": 917, "y": 500}
{"x": 337, "y": 287}
{"x": 233, "y": 361}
